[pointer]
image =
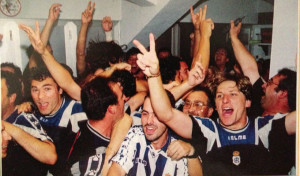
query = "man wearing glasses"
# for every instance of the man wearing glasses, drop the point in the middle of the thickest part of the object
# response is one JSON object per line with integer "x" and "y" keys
{"x": 199, "y": 103}
{"x": 276, "y": 96}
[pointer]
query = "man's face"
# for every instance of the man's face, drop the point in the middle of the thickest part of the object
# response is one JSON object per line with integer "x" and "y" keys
{"x": 196, "y": 104}
{"x": 163, "y": 54}
{"x": 221, "y": 57}
{"x": 231, "y": 105}
{"x": 46, "y": 96}
{"x": 132, "y": 61}
{"x": 5, "y": 102}
{"x": 5, "y": 140}
{"x": 152, "y": 127}
{"x": 184, "y": 71}
{"x": 270, "y": 98}
{"x": 116, "y": 88}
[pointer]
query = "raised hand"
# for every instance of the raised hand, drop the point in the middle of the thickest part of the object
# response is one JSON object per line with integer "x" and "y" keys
{"x": 196, "y": 18}
{"x": 147, "y": 60}
{"x": 54, "y": 12}
{"x": 234, "y": 30}
{"x": 107, "y": 24}
{"x": 87, "y": 15}
{"x": 196, "y": 74}
{"x": 34, "y": 37}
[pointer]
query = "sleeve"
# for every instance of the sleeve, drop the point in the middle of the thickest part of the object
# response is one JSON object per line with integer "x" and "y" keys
{"x": 257, "y": 92}
{"x": 30, "y": 124}
{"x": 126, "y": 154}
{"x": 282, "y": 147}
{"x": 199, "y": 141}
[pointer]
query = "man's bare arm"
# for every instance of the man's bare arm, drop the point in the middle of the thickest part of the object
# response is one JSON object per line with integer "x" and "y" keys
{"x": 58, "y": 72}
{"x": 86, "y": 18}
{"x": 44, "y": 151}
{"x": 242, "y": 55}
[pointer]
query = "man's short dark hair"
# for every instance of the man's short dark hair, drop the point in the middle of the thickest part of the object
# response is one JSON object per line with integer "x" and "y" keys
{"x": 289, "y": 84}
{"x": 127, "y": 81}
{"x": 96, "y": 96}
{"x": 210, "y": 100}
{"x": 131, "y": 52}
{"x": 168, "y": 68}
{"x": 39, "y": 74}
{"x": 100, "y": 54}
{"x": 17, "y": 70}
{"x": 164, "y": 49}
{"x": 14, "y": 85}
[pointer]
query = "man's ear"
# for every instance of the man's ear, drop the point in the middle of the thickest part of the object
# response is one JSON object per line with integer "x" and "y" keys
{"x": 127, "y": 98}
{"x": 60, "y": 91}
{"x": 12, "y": 98}
{"x": 210, "y": 112}
{"x": 282, "y": 93}
{"x": 227, "y": 59}
{"x": 112, "y": 109}
{"x": 248, "y": 103}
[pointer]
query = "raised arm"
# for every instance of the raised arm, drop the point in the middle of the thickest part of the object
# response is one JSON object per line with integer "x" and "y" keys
{"x": 119, "y": 132}
{"x": 58, "y": 72}
{"x": 45, "y": 34}
{"x": 176, "y": 120}
{"x": 52, "y": 17}
{"x": 196, "y": 22}
{"x": 86, "y": 18}
{"x": 242, "y": 55}
{"x": 206, "y": 27}
{"x": 44, "y": 151}
{"x": 191, "y": 82}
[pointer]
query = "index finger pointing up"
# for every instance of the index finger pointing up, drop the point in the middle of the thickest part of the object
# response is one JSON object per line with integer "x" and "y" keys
{"x": 152, "y": 42}
{"x": 140, "y": 46}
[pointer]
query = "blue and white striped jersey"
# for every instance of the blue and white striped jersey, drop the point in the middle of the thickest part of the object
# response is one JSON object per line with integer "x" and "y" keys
{"x": 88, "y": 153}
{"x": 137, "y": 156}
{"x": 18, "y": 161}
{"x": 62, "y": 128}
{"x": 234, "y": 152}
{"x": 29, "y": 123}
{"x": 68, "y": 116}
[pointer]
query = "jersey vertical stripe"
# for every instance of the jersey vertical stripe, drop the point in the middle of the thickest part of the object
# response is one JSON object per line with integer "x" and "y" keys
{"x": 137, "y": 156}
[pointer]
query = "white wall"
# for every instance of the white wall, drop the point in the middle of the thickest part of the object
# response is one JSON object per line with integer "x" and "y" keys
{"x": 57, "y": 36}
{"x": 71, "y": 9}
{"x": 223, "y": 11}
{"x": 284, "y": 36}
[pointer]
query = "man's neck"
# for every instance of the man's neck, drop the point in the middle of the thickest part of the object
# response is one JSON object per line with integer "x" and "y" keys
{"x": 279, "y": 108}
{"x": 104, "y": 126}
{"x": 8, "y": 112}
{"x": 159, "y": 143}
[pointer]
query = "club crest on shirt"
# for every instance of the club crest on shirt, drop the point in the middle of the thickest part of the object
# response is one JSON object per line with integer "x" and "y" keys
{"x": 138, "y": 160}
{"x": 236, "y": 159}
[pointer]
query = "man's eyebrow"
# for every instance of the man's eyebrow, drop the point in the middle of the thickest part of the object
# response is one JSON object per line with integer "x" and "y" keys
{"x": 47, "y": 85}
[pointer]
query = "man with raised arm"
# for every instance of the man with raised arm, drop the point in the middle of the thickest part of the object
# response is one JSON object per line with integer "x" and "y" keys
{"x": 147, "y": 148}
{"x": 58, "y": 114}
{"x": 103, "y": 103}
{"x": 233, "y": 144}
{"x": 270, "y": 97}
{"x": 32, "y": 149}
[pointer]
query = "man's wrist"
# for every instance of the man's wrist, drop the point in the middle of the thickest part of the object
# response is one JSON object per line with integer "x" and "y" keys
{"x": 153, "y": 76}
